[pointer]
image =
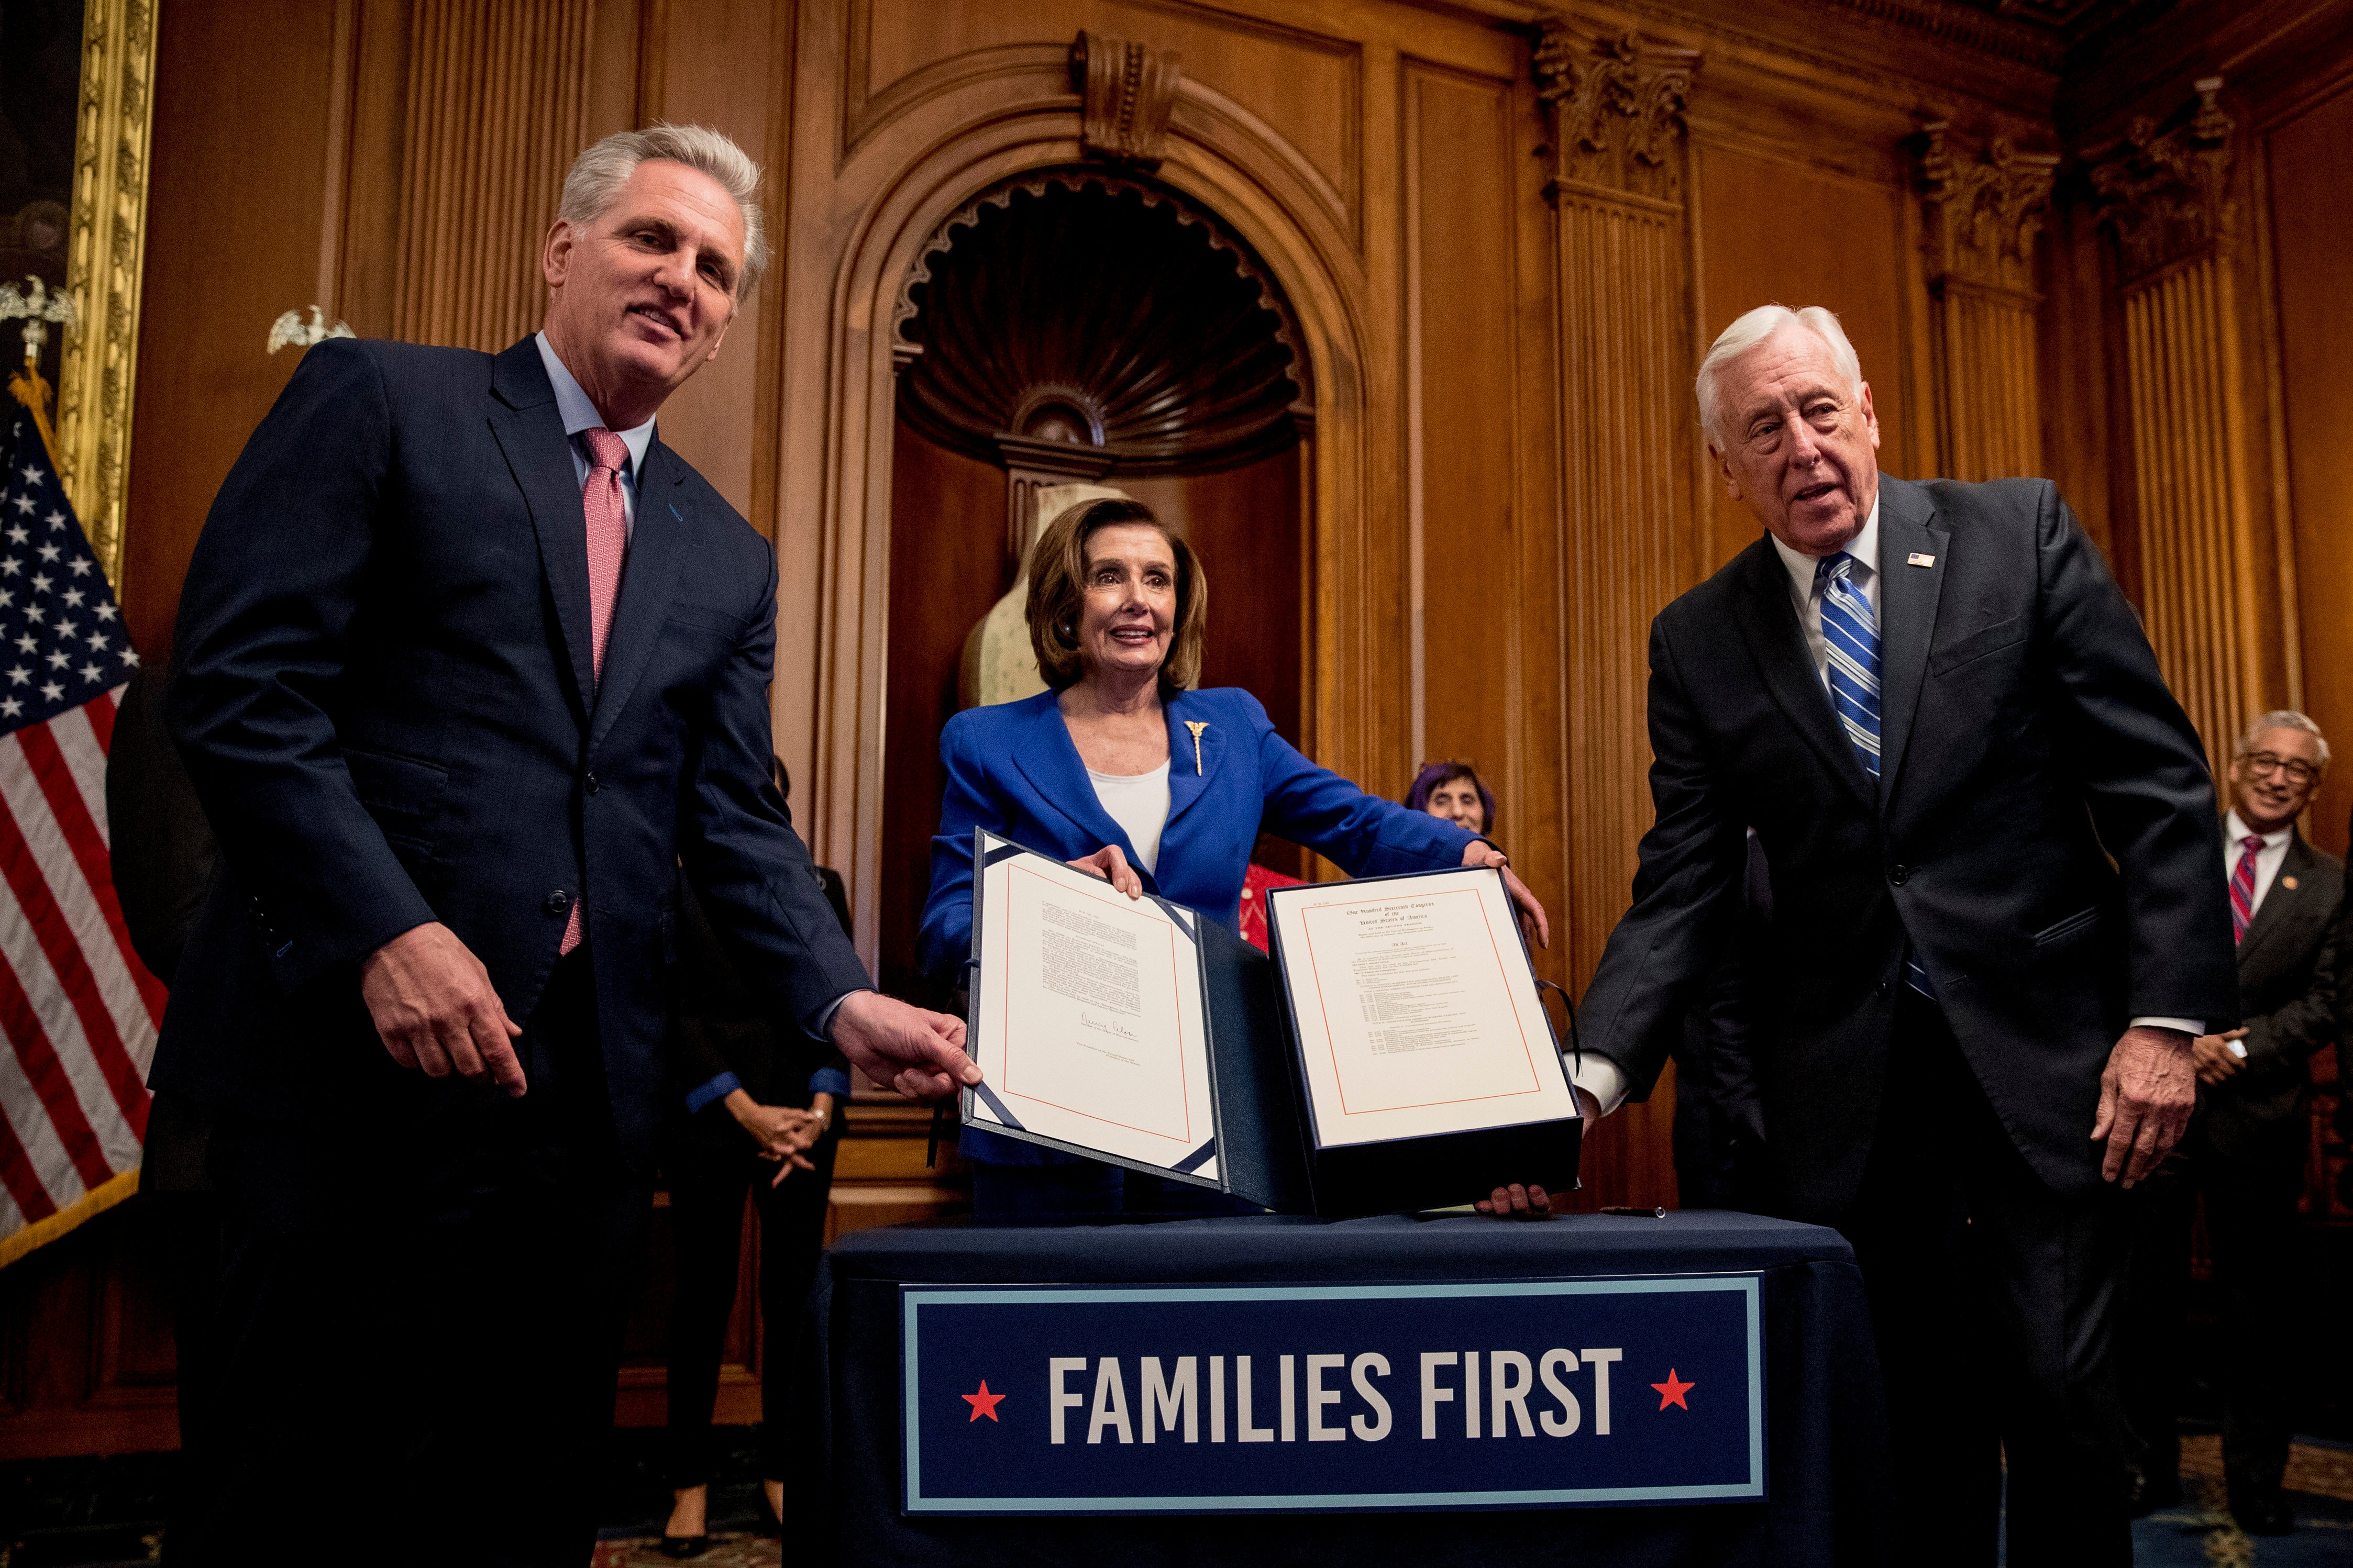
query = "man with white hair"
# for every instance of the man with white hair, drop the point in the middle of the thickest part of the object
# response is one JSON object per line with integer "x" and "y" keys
{"x": 2244, "y": 1153}
{"x": 1996, "y": 930}
{"x": 469, "y": 663}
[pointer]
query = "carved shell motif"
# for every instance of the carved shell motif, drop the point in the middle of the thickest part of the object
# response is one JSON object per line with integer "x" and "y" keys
{"x": 1104, "y": 311}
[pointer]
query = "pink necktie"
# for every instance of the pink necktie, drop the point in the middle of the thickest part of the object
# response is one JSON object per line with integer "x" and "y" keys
{"x": 2242, "y": 887}
{"x": 608, "y": 542}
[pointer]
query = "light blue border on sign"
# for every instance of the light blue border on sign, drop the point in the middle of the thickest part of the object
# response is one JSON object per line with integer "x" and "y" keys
{"x": 912, "y": 1298}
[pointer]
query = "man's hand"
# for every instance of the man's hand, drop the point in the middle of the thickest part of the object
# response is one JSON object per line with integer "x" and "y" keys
{"x": 2217, "y": 1062}
{"x": 1516, "y": 1202}
{"x": 1478, "y": 852}
{"x": 436, "y": 1010}
{"x": 919, "y": 1054}
{"x": 1110, "y": 864}
{"x": 2145, "y": 1097}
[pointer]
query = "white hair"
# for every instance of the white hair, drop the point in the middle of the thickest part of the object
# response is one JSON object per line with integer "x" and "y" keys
{"x": 1752, "y": 329}
{"x": 599, "y": 173}
{"x": 2282, "y": 719}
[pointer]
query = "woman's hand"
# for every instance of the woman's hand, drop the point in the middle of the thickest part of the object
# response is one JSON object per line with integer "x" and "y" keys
{"x": 1478, "y": 852}
{"x": 782, "y": 1132}
{"x": 1112, "y": 865}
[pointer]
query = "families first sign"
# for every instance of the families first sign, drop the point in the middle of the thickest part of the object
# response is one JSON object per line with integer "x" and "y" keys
{"x": 1535, "y": 1394}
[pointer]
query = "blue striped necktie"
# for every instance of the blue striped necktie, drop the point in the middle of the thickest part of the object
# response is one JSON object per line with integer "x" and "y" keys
{"x": 1850, "y": 636}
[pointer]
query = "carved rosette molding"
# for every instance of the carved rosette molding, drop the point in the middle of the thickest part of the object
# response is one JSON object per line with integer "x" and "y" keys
{"x": 1129, "y": 89}
{"x": 105, "y": 250}
{"x": 2164, "y": 200}
{"x": 1981, "y": 209}
{"x": 497, "y": 99}
{"x": 1614, "y": 104}
{"x": 2164, "y": 193}
{"x": 1615, "y": 108}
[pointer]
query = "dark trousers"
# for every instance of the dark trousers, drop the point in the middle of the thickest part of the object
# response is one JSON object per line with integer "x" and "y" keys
{"x": 417, "y": 1326}
{"x": 1992, "y": 1299}
{"x": 708, "y": 1175}
{"x": 2251, "y": 1228}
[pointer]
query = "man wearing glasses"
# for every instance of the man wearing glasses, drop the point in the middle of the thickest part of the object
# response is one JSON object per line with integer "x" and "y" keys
{"x": 2244, "y": 1152}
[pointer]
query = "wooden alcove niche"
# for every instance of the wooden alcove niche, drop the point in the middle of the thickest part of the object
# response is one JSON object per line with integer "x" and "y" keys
{"x": 1068, "y": 325}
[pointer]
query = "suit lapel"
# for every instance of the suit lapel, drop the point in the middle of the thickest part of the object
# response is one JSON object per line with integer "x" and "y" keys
{"x": 1049, "y": 759}
{"x": 658, "y": 550}
{"x": 530, "y": 432}
{"x": 2283, "y": 906}
{"x": 1907, "y": 615}
{"x": 1768, "y": 623}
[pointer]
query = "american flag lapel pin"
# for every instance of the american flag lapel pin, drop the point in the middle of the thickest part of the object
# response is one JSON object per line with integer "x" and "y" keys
{"x": 1917, "y": 559}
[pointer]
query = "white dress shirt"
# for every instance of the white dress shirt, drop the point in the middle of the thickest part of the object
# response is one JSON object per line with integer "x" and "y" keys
{"x": 1601, "y": 1078}
{"x": 1139, "y": 804}
{"x": 2267, "y": 858}
{"x": 579, "y": 415}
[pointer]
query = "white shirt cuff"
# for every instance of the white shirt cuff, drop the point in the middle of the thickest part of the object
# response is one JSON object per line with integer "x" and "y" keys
{"x": 2190, "y": 1026}
{"x": 1602, "y": 1078}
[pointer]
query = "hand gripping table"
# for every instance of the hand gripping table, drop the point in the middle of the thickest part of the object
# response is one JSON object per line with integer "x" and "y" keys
{"x": 1192, "y": 1421}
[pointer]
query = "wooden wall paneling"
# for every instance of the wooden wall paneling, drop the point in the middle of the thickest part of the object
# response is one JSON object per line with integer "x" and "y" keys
{"x": 2311, "y": 185}
{"x": 1619, "y": 189}
{"x": 2167, "y": 201}
{"x": 1981, "y": 211}
{"x": 2072, "y": 352}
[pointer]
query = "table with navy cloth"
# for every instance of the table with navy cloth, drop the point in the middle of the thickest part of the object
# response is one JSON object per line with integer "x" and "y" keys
{"x": 1825, "y": 1448}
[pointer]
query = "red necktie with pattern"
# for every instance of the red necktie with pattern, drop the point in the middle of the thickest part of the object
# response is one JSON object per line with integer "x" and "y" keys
{"x": 608, "y": 540}
{"x": 2242, "y": 887}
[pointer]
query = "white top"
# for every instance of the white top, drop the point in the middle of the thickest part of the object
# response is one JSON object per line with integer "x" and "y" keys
{"x": 579, "y": 415}
{"x": 1139, "y": 804}
{"x": 1805, "y": 588}
{"x": 2267, "y": 858}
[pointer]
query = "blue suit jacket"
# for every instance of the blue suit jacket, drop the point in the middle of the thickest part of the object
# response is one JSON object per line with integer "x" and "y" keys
{"x": 386, "y": 701}
{"x": 1014, "y": 770}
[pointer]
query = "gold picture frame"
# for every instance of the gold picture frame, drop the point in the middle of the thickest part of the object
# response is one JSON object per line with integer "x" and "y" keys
{"x": 105, "y": 250}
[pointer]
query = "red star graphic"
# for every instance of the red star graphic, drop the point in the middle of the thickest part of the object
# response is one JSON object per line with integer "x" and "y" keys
{"x": 985, "y": 1403}
{"x": 1671, "y": 1392}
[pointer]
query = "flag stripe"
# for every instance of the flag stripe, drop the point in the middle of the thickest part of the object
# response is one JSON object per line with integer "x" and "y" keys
{"x": 85, "y": 760}
{"x": 31, "y": 1200}
{"x": 100, "y": 711}
{"x": 50, "y": 1083}
{"x": 49, "y": 927}
{"x": 72, "y": 810}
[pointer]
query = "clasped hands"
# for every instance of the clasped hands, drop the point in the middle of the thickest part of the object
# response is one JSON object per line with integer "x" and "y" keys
{"x": 784, "y": 1132}
{"x": 436, "y": 1013}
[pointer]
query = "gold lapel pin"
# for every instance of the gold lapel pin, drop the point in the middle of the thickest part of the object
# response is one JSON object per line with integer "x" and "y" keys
{"x": 1917, "y": 559}
{"x": 1196, "y": 726}
{"x": 2288, "y": 882}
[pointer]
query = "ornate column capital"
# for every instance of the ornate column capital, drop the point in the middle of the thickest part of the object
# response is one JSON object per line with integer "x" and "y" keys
{"x": 2163, "y": 189}
{"x": 1983, "y": 206}
{"x": 1614, "y": 103}
{"x": 1129, "y": 89}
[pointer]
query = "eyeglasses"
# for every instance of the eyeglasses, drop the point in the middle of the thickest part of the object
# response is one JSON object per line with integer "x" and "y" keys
{"x": 2299, "y": 772}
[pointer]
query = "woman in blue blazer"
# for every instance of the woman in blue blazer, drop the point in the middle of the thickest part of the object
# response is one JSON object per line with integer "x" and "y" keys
{"x": 1121, "y": 772}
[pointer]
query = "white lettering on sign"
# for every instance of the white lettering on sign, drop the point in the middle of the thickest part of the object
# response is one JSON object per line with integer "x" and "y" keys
{"x": 1161, "y": 1398}
{"x": 1244, "y": 1431}
{"x": 1600, "y": 1361}
{"x": 1566, "y": 1422}
{"x": 1432, "y": 1397}
{"x": 1361, "y": 1373}
{"x": 1058, "y": 1399}
{"x": 1510, "y": 1393}
{"x": 1111, "y": 1403}
{"x": 1318, "y": 1396}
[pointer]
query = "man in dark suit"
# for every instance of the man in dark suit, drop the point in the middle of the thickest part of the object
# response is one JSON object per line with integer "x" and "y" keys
{"x": 2245, "y": 1149}
{"x": 469, "y": 664}
{"x": 1995, "y": 932}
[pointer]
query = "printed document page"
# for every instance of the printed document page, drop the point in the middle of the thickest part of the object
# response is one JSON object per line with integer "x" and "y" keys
{"x": 1091, "y": 1021}
{"x": 1416, "y": 1010}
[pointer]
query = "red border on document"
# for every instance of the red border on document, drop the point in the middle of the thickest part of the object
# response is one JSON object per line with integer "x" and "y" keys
{"x": 1005, "y": 1018}
{"x": 1315, "y": 971}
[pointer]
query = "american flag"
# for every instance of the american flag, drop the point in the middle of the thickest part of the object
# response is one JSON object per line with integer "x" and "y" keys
{"x": 77, "y": 1010}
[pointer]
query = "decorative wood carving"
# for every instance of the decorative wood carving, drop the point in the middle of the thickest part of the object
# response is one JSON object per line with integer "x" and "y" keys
{"x": 1615, "y": 107}
{"x": 1073, "y": 324}
{"x": 2164, "y": 199}
{"x": 497, "y": 101}
{"x": 2163, "y": 191}
{"x": 1129, "y": 89}
{"x": 1982, "y": 210}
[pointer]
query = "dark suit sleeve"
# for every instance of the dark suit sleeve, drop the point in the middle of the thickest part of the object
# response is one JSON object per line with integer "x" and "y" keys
{"x": 264, "y": 616}
{"x": 1685, "y": 889}
{"x": 1362, "y": 833}
{"x": 2279, "y": 1042}
{"x": 750, "y": 870}
{"x": 2144, "y": 775}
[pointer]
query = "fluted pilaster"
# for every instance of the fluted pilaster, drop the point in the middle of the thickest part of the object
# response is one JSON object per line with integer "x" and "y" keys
{"x": 1981, "y": 212}
{"x": 497, "y": 110}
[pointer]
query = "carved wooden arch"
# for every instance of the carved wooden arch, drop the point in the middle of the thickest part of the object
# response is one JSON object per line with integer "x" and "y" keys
{"x": 847, "y": 263}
